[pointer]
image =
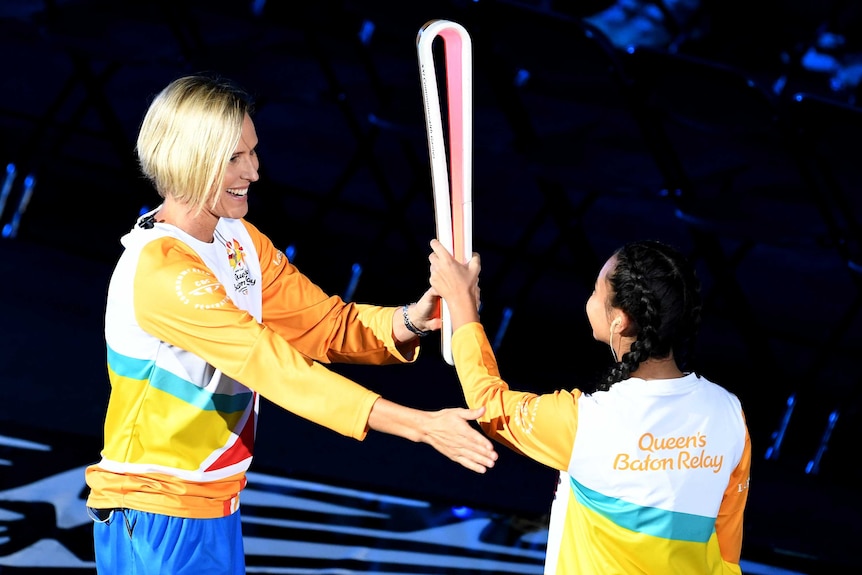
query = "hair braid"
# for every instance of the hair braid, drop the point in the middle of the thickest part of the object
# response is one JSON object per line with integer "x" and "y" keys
{"x": 659, "y": 292}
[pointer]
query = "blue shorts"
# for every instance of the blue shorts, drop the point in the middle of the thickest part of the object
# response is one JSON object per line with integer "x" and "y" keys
{"x": 139, "y": 543}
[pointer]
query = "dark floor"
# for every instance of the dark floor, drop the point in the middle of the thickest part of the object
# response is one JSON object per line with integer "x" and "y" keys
{"x": 590, "y": 148}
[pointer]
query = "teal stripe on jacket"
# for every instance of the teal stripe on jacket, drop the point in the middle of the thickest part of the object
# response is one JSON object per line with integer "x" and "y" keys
{"x": 146, "y": 370}
{"x": 671, "y": 525}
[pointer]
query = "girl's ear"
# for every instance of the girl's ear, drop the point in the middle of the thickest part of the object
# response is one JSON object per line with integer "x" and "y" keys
{"x": 621, "y": 322}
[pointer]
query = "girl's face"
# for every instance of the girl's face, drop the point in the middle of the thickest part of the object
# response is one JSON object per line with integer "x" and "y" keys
{"x": 241, "y": 171}
{"x": 598, "y": 312}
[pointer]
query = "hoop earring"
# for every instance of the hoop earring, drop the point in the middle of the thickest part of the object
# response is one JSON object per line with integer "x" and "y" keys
{"x": 615, "y": 323}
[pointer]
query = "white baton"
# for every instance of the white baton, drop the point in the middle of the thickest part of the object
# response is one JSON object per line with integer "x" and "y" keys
{"x": 453, "y": 200}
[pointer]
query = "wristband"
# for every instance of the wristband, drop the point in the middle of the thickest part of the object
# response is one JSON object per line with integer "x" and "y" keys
{"x": 409, "y": 324}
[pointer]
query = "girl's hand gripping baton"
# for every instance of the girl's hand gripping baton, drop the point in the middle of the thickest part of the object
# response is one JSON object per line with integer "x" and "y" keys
{"x": 453, "y": 201}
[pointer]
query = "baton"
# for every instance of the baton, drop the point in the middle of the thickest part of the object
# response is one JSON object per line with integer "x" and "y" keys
{"x": 453, "y": 198}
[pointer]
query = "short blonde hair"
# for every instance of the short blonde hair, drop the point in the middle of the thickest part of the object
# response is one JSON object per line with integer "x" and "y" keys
{"x": 189, "y": 134}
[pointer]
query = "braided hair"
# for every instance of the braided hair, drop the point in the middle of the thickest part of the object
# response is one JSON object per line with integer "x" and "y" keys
{"x": 658, "y": 290}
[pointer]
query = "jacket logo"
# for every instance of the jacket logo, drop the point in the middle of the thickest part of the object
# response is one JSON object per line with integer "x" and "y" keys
{"x": 198, "y": 287}
{"x": 242, "y": 280}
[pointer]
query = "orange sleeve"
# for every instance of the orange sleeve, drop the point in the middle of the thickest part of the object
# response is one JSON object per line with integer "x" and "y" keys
{"x": 320, "y": 326}
{"x": 541, "y": 427}
{"x": 729, "y": 523}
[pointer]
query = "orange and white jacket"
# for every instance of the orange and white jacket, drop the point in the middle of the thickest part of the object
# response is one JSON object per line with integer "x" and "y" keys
{"x": 196, "y": 332}
{"x": 653, "y": 474}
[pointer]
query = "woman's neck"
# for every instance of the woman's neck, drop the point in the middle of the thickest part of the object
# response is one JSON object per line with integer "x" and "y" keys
{"x": 200, "y": 224}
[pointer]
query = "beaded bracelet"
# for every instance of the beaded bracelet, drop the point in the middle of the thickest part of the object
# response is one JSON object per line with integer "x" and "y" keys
{"x": 409, "y": 324}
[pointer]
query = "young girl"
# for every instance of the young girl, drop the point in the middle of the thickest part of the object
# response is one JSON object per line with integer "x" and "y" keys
{"x": 654, "y": 466}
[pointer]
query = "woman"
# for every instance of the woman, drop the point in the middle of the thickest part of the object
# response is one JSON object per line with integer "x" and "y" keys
{"x": 654, "y": 466}
{"x": 204, "y": 316}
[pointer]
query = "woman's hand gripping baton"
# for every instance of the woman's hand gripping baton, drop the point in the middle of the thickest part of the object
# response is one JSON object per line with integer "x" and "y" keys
{"x": 453, "y": 200}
